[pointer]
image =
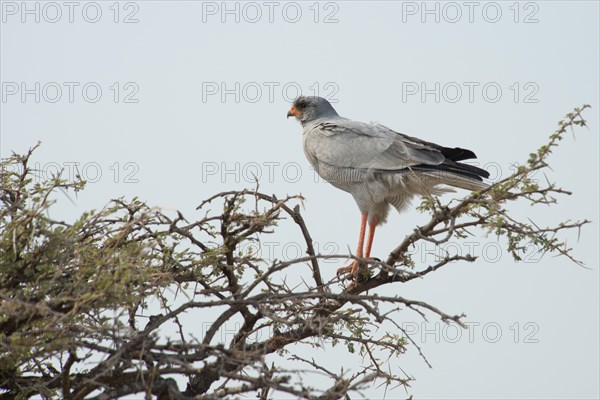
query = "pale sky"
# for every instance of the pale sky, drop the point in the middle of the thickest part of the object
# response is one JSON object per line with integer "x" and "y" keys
{"x": 175, "y": 101}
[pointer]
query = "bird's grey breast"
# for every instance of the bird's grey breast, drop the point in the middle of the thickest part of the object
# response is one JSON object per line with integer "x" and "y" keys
{"x": 317, "y": 141}
{"x": 310, "y": 143}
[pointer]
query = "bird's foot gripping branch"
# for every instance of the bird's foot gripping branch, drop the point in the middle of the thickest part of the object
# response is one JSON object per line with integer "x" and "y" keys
{"x": 132, "y": 300}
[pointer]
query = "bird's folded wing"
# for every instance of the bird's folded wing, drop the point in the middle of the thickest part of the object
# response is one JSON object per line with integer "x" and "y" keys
{"x": 351, "y": 144}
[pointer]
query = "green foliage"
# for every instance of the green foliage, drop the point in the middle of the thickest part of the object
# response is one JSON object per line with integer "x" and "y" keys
{"x": 58, "y": 280}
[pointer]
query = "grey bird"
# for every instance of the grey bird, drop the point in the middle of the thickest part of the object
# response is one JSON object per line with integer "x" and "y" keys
{"x": 378, "y": 166}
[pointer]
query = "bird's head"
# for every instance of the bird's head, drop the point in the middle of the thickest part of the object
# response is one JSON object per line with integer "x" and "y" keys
{"x": 310, "y": 108}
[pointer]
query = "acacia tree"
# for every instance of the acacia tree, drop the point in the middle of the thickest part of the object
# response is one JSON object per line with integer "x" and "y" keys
{"x": 109, "y": 305}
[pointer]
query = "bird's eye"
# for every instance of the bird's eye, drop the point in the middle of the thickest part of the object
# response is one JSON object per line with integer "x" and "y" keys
{"x": 302, "y": 104}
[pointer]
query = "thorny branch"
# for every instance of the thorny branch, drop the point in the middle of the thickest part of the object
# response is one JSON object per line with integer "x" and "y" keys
{"x": 86, "y": 307}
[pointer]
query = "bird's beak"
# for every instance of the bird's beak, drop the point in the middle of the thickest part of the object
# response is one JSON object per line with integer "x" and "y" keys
{"x": 293, "y": 112}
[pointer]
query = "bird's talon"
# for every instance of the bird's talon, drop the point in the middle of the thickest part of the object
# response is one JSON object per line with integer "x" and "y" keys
{"x": 356, "y": 272}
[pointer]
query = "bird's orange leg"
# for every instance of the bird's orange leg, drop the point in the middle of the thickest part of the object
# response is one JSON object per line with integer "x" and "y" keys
{"x": 353, "y": 267}
{"x": 356, "y": 266}
{"x": 372, "y": 227}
